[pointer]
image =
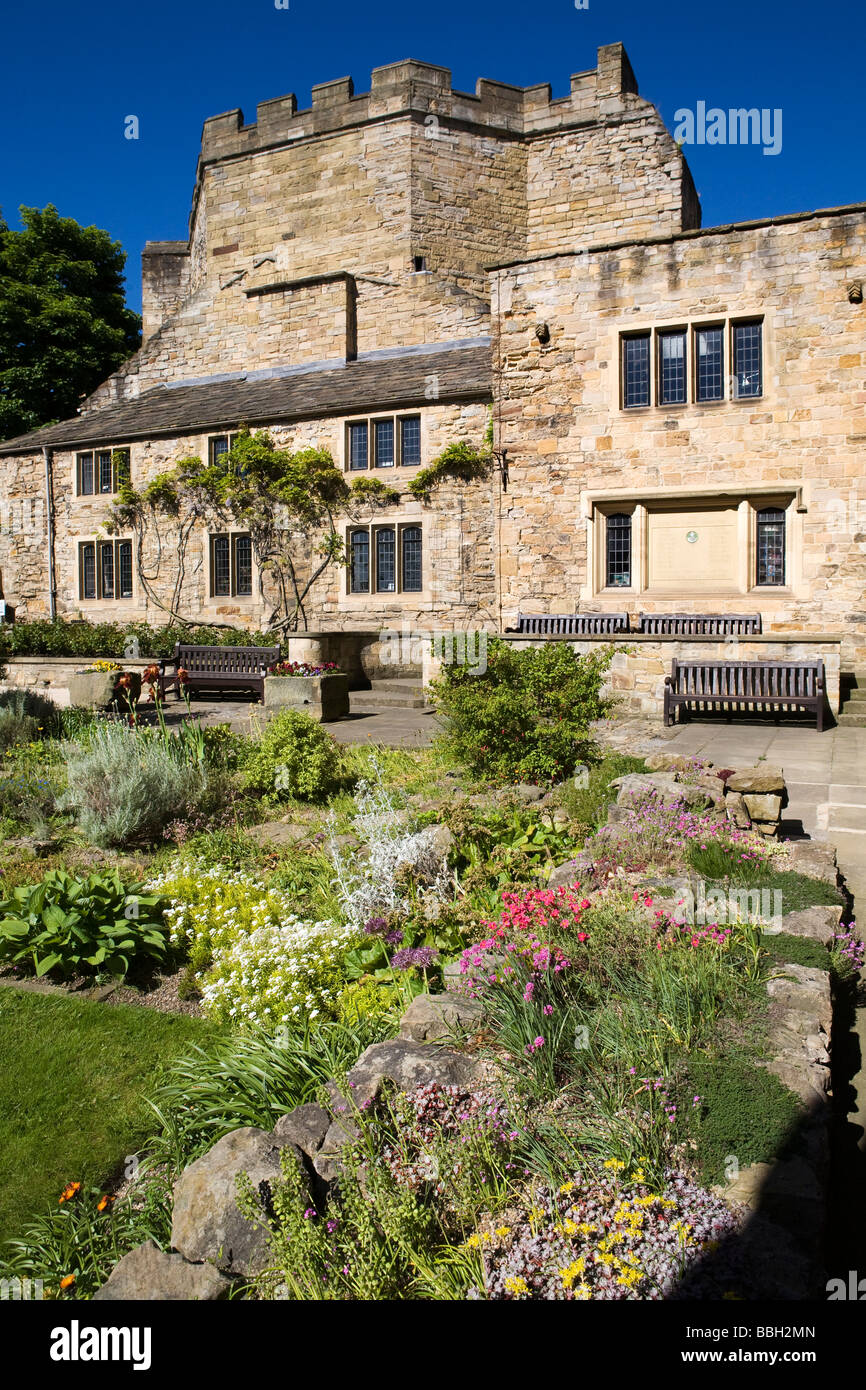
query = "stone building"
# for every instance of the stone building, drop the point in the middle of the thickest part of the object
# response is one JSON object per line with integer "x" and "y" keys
{"x": 681, "y": 411}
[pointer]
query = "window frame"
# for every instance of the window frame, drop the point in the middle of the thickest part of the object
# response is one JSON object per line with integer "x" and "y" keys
{"x": 690, "y": 329}
{"x": 780, "y": 518}
{"x": 372, "y": 531}
{"x": 120, "y": 468}
{"x": 371, "y": 423}
{"x": 232, "y": 538}
{"x": 100, "y": 547}
{"x": 231, "y": 436}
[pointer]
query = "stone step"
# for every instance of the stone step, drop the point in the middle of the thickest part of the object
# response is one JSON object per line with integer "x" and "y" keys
{"x": 856, "y": 694}
{"x": 365, "y": 701}
{"x": 393, "y": 685}
{"x": 850, "y": 720}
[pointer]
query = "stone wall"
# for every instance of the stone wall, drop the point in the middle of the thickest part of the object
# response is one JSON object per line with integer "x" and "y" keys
{"x": 575, "y": 452}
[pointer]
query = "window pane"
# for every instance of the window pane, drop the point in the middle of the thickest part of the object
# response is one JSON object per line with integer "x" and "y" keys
{"x": 87, "y": 554}
{"x": 385, "y": 557}
{"x": 412, "y": 559}
{"x": 124, "y": 569}
{"x": 618, "y": 550}
{"x": 219, "y": 446}
{"x": 221, "y": 574}
{"x": 103, "y": 460}
{"x": 747, "y": 360}
{"x": 636, "y": 370}
{"x": 359, "y": 562}
{"x": 410, "y": 440}
{"x": 85, "y": 474}
{"x": 358, "y": 446}
{"x": 243, "y": 565}
{"x": 672, "y": 368}
{"x": 384, "y": 443}
{"x": 771, "y": 546}
{"x": 106, "y": 571}
{"x": 710, "y": 364}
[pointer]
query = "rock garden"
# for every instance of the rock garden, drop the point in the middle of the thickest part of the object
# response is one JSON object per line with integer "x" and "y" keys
{"x": 510, "y": 1018}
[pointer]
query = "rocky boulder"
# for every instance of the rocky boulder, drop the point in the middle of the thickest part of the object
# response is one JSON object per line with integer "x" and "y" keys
{"x": 206, "y": 1222}
{"x": 431, "y": 1017}
{"x": 152, "y": 1274}
{"x": 409, "y": 1064}
{"x": 304, "y": 1127}
{"x": 760, "y": 779}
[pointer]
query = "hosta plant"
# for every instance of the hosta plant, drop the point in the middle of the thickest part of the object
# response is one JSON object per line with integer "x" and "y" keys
{"x": 81, "y": 926}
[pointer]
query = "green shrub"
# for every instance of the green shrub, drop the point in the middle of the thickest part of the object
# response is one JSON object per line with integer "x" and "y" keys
{"x": 76, "y": 926}
{"x": 223, "y": 748}
{"x": 527, "y": 716}
{"x": 295, "y": 757}
{"x": 127, "y": 784}
{"x": 589, "y": 805}
{"x": 796, "y": 950}
{"x": 81, "y": 638}
{"x": 744, "y": 1113}
{"x": 26, "y": 717}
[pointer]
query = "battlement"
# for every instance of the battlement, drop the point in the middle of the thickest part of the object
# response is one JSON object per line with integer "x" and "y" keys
{"x": 413, "y": 87}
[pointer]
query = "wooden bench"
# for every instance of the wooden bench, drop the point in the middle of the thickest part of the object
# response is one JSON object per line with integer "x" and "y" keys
{"x": 761, "y": 685}
{"x": 217, "y": 668}
{"x": 700, "y": 625}
{"x": 572, "y": 624}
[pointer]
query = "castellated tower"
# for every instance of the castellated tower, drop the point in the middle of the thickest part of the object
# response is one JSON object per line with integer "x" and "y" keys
{"x": 366, "y": 222}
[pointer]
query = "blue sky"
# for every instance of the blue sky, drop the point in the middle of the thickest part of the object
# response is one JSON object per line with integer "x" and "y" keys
{"x": 70, "y": 74}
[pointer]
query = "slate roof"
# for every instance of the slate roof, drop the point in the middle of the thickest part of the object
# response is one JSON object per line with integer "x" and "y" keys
{"x": 386, "y": 383}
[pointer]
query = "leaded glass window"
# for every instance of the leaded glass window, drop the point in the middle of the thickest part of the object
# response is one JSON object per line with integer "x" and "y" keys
{"x": 748, "y": 365}
{"x": 771, "y": 546}
{"x": 636, "y": 371}
{"x": 412, "y": 573}
{"x": 710, "y": 364}
{"x": 618, "y": 550}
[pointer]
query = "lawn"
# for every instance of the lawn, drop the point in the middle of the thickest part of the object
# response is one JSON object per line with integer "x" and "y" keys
{"x": 71, "y": 1091}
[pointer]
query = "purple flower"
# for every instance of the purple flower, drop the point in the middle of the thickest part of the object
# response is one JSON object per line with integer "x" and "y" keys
{"x": 394, "y": 937}
{"x": 417, "y": 955}
{"x": 375, "y": 926}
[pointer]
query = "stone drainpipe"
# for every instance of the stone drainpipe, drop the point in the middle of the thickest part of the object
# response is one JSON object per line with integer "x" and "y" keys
{"x": 49, "y": 514}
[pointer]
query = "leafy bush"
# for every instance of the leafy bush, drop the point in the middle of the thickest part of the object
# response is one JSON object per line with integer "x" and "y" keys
{"x": 295, "y": 757}
{"x": 527, "y": 716}
{"x": 744, "y": 1112}
{"x": 255, "y": 961}
{"x": 25, "y": 717}
{"x": 93, "y": 925}
{"x": 81, "y": 638}
{"x": 127, "y": 784}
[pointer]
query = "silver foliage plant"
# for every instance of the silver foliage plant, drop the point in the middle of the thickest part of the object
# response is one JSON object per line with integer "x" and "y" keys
{"x": 368, "y": 887}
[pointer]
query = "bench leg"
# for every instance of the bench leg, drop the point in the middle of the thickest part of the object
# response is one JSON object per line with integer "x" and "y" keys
{"x": 819, "y": 717}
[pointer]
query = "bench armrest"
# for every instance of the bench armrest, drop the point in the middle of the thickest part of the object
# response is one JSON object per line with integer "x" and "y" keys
{"x": 669, "y": 680}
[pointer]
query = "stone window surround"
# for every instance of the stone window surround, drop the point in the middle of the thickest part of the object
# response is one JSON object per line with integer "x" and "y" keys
{"x": 350, "y": 601}
{"x": 99, "y": 606}
{"x": 94, "y": 450}
{"x": 213, "y": 599}
{"x": 689, "y": 323}
{"x": 369, "y": 420}
{"x": 598, "y": 504}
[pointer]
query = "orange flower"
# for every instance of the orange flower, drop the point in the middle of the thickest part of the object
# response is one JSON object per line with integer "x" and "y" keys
{"x": 65, "y": 1283}
{"x": 104, "y": 1201}
{"x": 69, "y": 1191}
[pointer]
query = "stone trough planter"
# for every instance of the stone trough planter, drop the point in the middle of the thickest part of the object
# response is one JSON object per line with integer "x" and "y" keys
{"x": 321, "y": 697}
{"x": 95, "y": 689}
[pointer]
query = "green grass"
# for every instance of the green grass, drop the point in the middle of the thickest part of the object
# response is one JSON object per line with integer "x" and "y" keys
{"x": 716, "y": 864}
{"x": 745, "y": 1113}
{"x": 72, "y": 1089}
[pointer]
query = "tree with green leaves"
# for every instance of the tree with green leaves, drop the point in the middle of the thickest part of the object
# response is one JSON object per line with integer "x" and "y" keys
{"x": 290, "y": 503}
{"x": 64, "y": 324}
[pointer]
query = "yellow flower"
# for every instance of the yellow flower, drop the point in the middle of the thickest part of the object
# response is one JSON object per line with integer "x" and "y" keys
{"x": 614, "y": 1163}
{"x": 586, "y": 1229}
{"x": 473, "y": 1242}
{"x": 583, "y": 1292}
{"x": 502, "y": 1230}
{"x": 516, "y": 1286}
{"x": 570, "y": 1273}
{"x": 567, "y": 1187}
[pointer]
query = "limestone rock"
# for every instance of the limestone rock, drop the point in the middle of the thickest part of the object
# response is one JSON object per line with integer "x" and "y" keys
{"x": 409, "y": 1064}
{"x": 814, "y": 859}
{"x": 305, "y": 1127}
{"x": 757, "y": 779}
{"x": 206, "y": 1223}
{"x": 671, "y": 762}
{"x": 737, "y": 811}
{"x": 573, "y": 871}
{"x": 431, "y": 1017}
{"x": 763, "y": 806}
{"x": 815, "y": 923}
{"x": 148, "y": 1273}
{"x": 277, "y": 832}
